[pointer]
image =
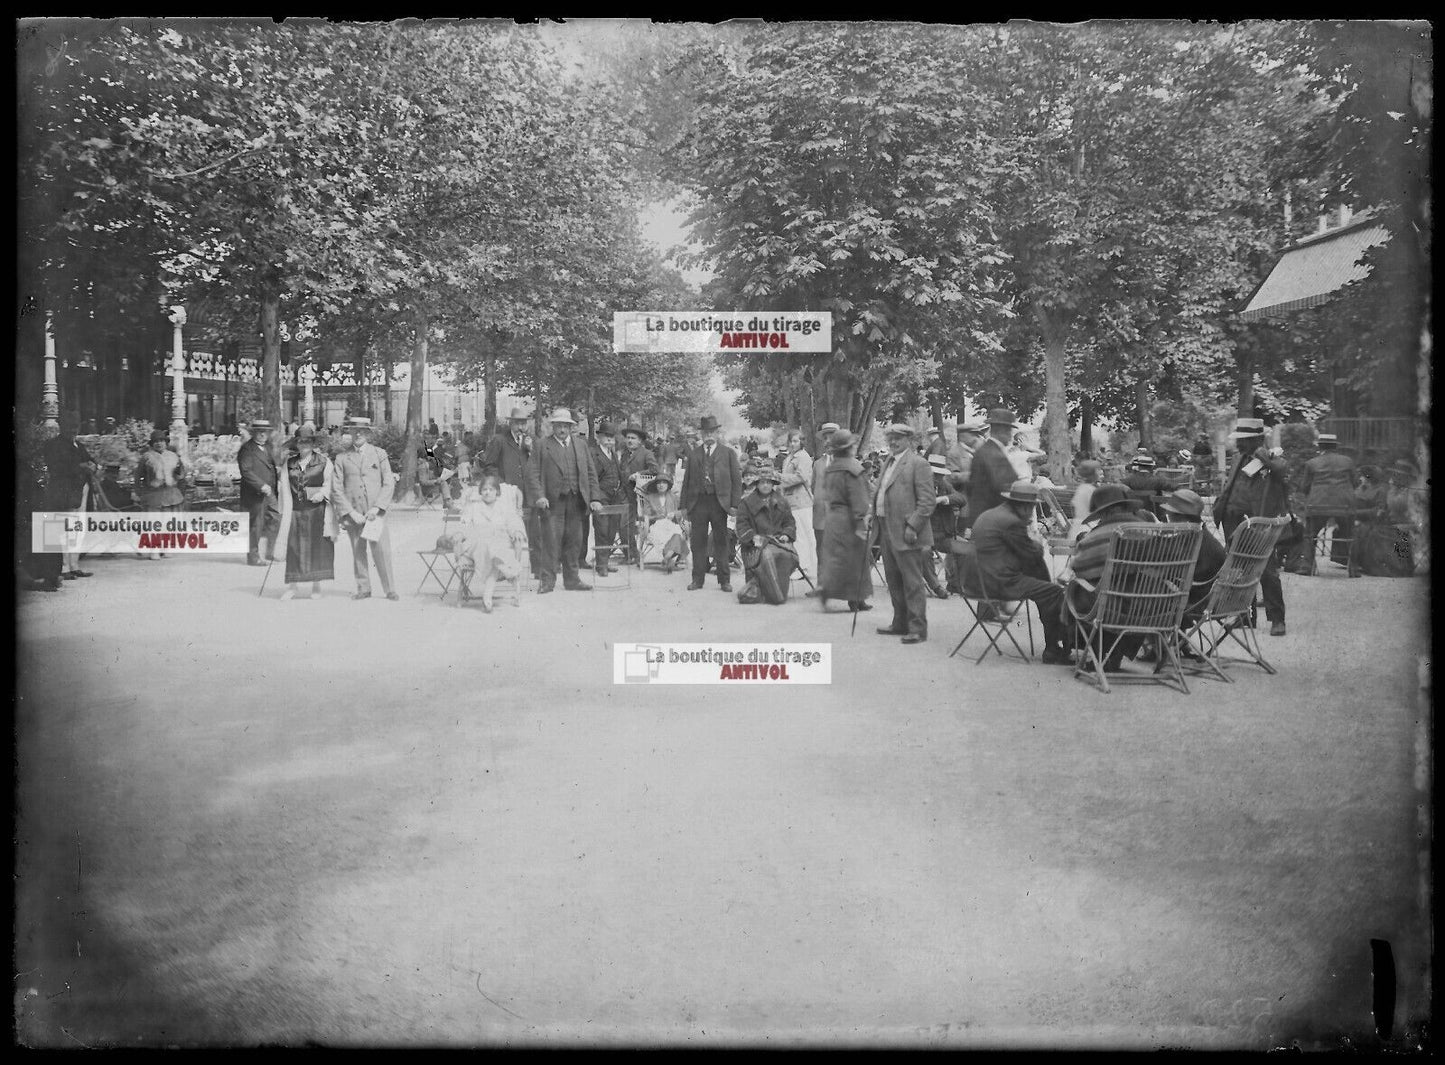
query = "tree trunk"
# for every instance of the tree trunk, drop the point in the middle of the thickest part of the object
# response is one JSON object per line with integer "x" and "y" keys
{"x": 271, "y": 365}
{"x": 414, "y": 394}
{"x": 536, "y": 399}
{"x": 1055, "y": 431}
{"x": 489, "y": 388}
{"x": 1141, "y": 407}
{"x": 386, "y": 368}
{"x": 935, "y": 410}
{"x": 1246, "y": 384}
{"x": 1086, "y": 424}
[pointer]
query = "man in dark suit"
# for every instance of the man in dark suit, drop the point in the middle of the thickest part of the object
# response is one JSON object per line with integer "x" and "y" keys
{"x": 1257, "y": 487}
{"x": 903, "y": 524}
{"x": 991, "y": 473}
{"x": 507, "y": 455}
{"x": 258, "y": 492}
{"x": 1012, "y": 565}
{"x": 637, "y": 467}
{"x": 711, "y": 489}
{"x": 1186, "y": 506}
{"x": 608, "y": 460}
{"x": 562, "y": 483}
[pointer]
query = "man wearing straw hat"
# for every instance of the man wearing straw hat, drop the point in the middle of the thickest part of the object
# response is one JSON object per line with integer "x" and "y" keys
{"x": 259, "y": 479}
{"x": 562, "y": 482}
{"x": 992, "y": 472}
{"x": 903, "y": 508}
{"x": 1257, "y": 487}
{"x": 1328, "y": 486}
{"x": 362, "y": 485}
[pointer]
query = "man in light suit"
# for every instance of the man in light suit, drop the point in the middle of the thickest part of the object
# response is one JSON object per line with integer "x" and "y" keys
{"x": 903, "y": 520}
{"x": 820, "y": 502}
{"x": 711, "y": 490}
{"x": 562, "y": 484}
{"x": 362, "y": 485}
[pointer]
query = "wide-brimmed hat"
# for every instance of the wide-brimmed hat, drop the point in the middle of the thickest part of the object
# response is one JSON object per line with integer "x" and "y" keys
{"x": 1244, "y": 427}
{"x": 708, "y": 424}
{"x": 1327, "y": 440}
{"x": 939, "y": 463}
{"x": 634, "y": 430}
{"x": 260, "y": 423}
{"x": 562, "y": 414}
{"x": 900, "y": 429}
{"x": 1184, "y": 501}
{"x": 842, "y": 441}
{"x": 1002, "y": 416}
{"x": 159, "y": 434}
{"x": 767, "y": 473}
{"x": 661, "y": 478}
{"x": 829, "y": 427}
{"x": 1107, "y": 497}
{"x": 1022, "y": 492}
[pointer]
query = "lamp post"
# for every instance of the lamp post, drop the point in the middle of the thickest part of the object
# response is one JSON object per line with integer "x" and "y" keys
{"x": 50, "y": 391}
{"x": 179, "y": 435}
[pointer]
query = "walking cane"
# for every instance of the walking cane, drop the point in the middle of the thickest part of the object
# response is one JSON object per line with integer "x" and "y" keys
{"x": 264, "y": 577}
{"x": 796, "y": 560}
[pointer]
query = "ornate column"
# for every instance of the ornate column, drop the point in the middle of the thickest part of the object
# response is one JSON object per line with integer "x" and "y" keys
{"x": 308, "y": 404}
{"x": 180, "y": 436}
{"x": 50, "y": 390}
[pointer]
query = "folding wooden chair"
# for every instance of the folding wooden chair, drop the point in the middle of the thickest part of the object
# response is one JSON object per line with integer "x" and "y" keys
{"x": 440, "y": 566}
{"x": 630, "y": 557}
{"x": 1229, "y": 609}
{"x": 1143, "y": 591}
{"x": 999, "y": 619}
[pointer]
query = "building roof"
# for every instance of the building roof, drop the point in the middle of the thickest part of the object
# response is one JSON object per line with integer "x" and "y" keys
{"x": 1312, "y": 270}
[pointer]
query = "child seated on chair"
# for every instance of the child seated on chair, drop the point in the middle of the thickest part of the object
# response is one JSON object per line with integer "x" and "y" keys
{"x": 491, "y": 538}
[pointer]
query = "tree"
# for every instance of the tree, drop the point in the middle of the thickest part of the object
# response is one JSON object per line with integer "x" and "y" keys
{"x": 842, "y": 168}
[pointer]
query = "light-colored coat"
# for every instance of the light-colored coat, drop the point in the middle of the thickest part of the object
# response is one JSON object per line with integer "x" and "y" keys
{"x": 361, "y": 479}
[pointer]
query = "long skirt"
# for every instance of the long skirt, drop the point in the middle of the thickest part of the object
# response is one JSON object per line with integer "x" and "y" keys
{"x": 844, "y": 572}
{"x": 309, "y": 555}
{"x": 664, "y": 537}
{"x": 768, "y": 571}
{"x": 486, "y": 553}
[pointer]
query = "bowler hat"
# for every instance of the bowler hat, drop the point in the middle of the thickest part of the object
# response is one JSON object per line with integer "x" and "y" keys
{"x": 635, "y": 430}
{"x": 1244, "y": 427}
{"x": 842, "y": 441}
{"x": 562, "y": 414}
{"x": 1022, "y": 492}
{"x": 1107, "y": 497}
{"x": 1002, "y": 416}
{"x": 708, "y": 424}
{"x": 606, "y": 428}
{"x": 1184, "y": 501}
{"x": 899, "y": 429}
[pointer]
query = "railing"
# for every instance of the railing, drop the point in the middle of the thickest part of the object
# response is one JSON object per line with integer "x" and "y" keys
{"x": 1372, "y": 434}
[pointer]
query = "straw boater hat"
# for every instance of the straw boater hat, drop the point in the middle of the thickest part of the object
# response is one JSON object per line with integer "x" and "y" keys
{"x": 1022, "y": 492}
{"x": 829, "y": 427}
{"x": 1107, "y": 497}
{"x": 1328, "y": 440}
{"x": 1184, "y": 501}
{"x": 260, "y": 423}
{"x": 351, "y": 423}
{"x": 842, "y": 441}
{"x": 974, "y": 428}
{"x": 562, "y": 414}
{"x": 1145, "y": 462}
{"x": 1003, "y": 416}
{"x": 939, "y": 463}
{"x": 1246, "y": 427}
{"x": 899, "y": 429}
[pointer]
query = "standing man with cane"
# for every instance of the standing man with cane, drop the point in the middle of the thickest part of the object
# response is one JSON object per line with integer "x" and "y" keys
{"x": 258, "y": 492}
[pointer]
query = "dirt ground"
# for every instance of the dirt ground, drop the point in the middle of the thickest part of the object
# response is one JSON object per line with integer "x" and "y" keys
{"x": 244, "y": 821}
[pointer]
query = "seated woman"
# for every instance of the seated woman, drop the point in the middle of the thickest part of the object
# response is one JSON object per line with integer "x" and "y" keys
{"x": 766, "y": 530}
{"x": 491, "y": 538}
{"x": 665, "y": 542}
{"x": 1385, "y": 526}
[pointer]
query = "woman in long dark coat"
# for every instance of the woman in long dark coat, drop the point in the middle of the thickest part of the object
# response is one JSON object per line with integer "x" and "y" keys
{"x": 843, "y": 569}
{"x": 310, "y": 551}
